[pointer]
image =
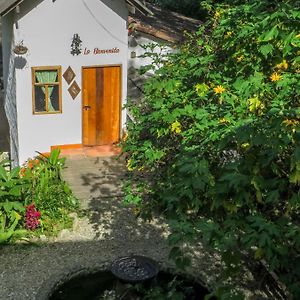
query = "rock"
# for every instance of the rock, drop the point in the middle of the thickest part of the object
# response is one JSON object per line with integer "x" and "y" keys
{"x": 43, "y": 238}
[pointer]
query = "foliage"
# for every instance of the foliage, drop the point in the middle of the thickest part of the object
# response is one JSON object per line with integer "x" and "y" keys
{"x": 12, "y": 191}
{"x": 34, "y": 196}
{"x": 48, "y": 190}
{"x": 215, "y": 145}
{"x": 164, "y": 286}
{"x": 173, "y": 289}
{"x": 50, "y": 194}
{"x": 10, "y": 216}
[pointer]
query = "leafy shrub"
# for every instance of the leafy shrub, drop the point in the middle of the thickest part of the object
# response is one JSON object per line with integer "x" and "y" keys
{"x": 12, "y": 190}
{"x": 50, "y": 194}
{"x": 216, "y": 143}
{"x": 34, "y": 195}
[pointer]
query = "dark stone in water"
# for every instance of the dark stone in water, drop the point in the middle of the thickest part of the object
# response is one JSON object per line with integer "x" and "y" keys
{"x": 134, "y": 268}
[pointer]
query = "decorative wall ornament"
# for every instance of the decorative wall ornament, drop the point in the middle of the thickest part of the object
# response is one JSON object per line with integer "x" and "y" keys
{"x": 69, "y": 75}
{"x": 74, "y": 89}
{"x": 20, "y": 49}
{"x": 76, "y": 45}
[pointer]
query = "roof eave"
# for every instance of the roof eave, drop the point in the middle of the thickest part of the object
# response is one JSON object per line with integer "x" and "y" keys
{"x": 140, "y": 6}
{"x": 9, "y": 5}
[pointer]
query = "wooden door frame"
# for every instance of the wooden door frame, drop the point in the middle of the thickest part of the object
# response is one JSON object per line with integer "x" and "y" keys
{"x": 120, "y": 100}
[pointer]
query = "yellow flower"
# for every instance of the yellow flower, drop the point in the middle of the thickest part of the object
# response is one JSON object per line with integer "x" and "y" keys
{"x": 228, "y": 34}
{"x": 240, "y": 58}
{"x": 176, "y": 127}
{"x": 223, "y": 121}
{"x": 283, "y": 65}
{"x": 129, "y": 165}
{"x": 245, "y": 146}
{"x": 275, "y": 77}
{"x": 292, "y": 122}
{"x": 217, "y": 14}
{"x": 219, "y": 89}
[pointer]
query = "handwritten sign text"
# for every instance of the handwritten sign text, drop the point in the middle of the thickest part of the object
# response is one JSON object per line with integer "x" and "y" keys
{"x": 97, "y": 51}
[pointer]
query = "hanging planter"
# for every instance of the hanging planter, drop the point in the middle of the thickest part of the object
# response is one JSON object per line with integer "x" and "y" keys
{"x": 20, "y": 49}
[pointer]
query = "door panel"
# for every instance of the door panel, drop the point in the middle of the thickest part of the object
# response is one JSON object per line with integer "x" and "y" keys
{"x": 101, "y": 105}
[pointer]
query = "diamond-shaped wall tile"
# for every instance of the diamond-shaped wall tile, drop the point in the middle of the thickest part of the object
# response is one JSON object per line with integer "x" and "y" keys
{"x": 74, "y": 89}
{"x": 69, "y": 75}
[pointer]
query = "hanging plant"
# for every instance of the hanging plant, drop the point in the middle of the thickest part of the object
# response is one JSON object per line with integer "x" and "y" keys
{"x": 20, "y": 49}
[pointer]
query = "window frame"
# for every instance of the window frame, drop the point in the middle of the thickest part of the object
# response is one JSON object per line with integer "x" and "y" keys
{"x": 58, "y": 83}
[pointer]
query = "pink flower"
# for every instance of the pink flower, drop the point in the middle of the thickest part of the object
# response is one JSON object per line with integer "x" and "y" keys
{"x": 32, "y": 217}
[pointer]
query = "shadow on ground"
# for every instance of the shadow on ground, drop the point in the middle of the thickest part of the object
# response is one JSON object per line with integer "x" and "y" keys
{"x": 109, "y": 230}
{"x": 102, "y": 179}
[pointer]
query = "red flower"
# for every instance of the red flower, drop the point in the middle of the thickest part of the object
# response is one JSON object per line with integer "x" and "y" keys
{"x": 32, "y": 217}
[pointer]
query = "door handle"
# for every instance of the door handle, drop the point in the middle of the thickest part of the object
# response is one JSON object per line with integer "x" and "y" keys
{"x": 86, "y": 107}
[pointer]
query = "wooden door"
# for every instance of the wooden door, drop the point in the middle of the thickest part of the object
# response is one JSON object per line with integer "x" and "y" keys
{"x": 101, "y": 105}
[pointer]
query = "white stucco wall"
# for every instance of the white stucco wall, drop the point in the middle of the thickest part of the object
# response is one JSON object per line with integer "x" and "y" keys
{"x": 136, "y": 45}
{"x": 47, "y": 28}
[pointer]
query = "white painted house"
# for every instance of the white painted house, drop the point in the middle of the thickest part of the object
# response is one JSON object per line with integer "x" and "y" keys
{"x": 65, "y": 72}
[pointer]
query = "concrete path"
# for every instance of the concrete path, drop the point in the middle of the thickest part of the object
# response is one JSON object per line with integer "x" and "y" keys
{"x": 109, "y": 230}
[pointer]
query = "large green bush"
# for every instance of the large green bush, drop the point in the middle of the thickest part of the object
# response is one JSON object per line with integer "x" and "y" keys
{"x": 215, "y": 145}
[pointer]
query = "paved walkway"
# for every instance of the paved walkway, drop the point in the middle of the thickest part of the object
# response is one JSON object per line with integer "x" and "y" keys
{"x": 109, "y": 230}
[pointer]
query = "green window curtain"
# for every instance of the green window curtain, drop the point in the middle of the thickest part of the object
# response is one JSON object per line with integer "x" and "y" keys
{"x": 47, "y": 77}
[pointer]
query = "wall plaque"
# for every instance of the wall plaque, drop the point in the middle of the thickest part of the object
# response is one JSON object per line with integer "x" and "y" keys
{"x": 69, "y": 75}
{"x": 74, "y": 89}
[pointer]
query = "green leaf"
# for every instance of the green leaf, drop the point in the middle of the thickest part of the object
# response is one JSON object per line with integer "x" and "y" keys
{"x": 175, "y": 253}
{"x": 295, "y": 175}
{"x": 269, "y": 35}
{"x": 3, "y": 173}
{"x": 259, "y": 253}
{"x": 266, "y": 49}
{"x": 182, "y": 262}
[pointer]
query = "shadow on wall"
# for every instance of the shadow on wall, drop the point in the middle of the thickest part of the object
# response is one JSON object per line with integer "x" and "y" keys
{"x": 4, "y": 129}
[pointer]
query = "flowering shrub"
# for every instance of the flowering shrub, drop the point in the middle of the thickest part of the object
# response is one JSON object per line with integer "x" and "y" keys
{"x": 39, "y": 180}
{"x": 216, "y": 143}
{"x": 32, "y": 217}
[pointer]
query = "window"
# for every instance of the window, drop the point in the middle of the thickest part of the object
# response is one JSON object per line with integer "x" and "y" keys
{"x": 46, "y": 90}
